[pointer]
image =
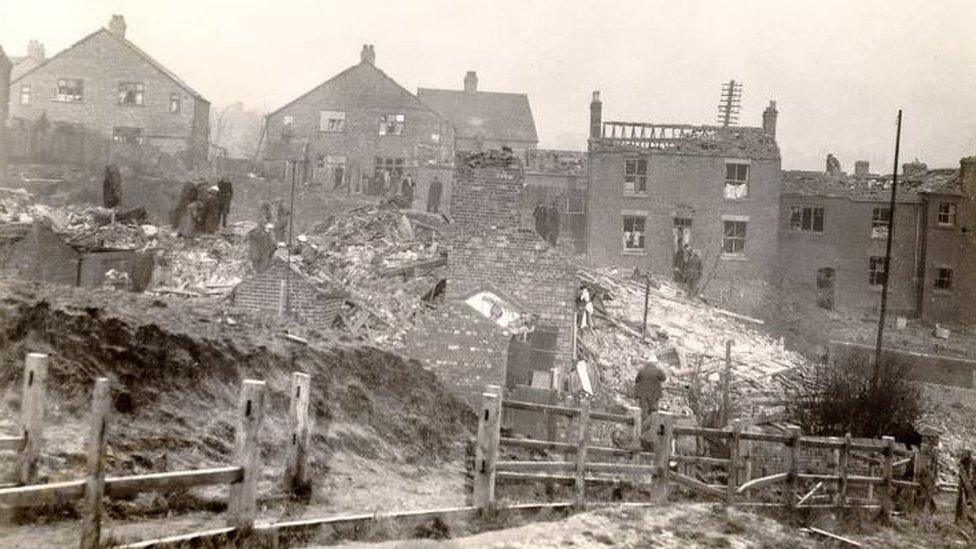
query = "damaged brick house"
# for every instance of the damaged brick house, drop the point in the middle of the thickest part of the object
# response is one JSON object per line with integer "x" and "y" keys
{"x": 105, "y": 84}
{"x": 833, "y": 229}
{"x": 653, "y": 187}
{"x": 509, "y": 304}
{"x": 348, "y": 131}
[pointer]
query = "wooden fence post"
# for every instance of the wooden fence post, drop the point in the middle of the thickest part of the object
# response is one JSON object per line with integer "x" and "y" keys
{"x": 747, "y": 469}
{"x": 929, "y": 465}
{"x": 582, "y": 441}
{"x": 91, "y": 525}
{"x": 871, "y": 473}
{"x": 727, "y": 383}
{"x": 486, "y": 452}
{"x": 663, "y": 424}
{"x": 887, "y": 489}
{"x": 793, "y": 472}
{"x": 242, "y": 500}
{"x": 296, "y": 476}
{"x": 32, "y": 414}
{"x": 844, "y": 464}
{"x": 963, "y": 473}
{"x": 635, "y": 444}
{"x": 915, "y": 478}
{"x": 734, "y": 462}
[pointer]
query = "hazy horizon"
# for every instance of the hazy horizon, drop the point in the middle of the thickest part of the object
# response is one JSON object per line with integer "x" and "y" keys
{"x": 838, "y": 71}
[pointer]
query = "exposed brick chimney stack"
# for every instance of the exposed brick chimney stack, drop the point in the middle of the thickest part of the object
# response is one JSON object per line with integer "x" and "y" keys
{"x": 967, "y": 177}
{"x": 861, "y": 169}
{"x": 35, "y": 51}
{"x": 116, "y": 26}
{"x": 471, "y": 82}
{"x": 913, "y": 169}
{"x": 367, "y": 55}
{"x": 769, "y": 119}
{"x": 596, "y": 116}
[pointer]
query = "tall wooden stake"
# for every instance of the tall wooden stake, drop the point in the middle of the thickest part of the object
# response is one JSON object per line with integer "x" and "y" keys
{"x": 647, "y": 295}
{"x": 32, "y": 414}
{"x": 296, "y": 476}
{"x": 91, "y": 526}
{"x": 887, "y": 264}
{"x": 242, "y": 506}
{"x": 582, "y": 441}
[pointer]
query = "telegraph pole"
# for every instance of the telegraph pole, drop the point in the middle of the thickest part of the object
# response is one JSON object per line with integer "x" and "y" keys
{"x": 887, "y": 263}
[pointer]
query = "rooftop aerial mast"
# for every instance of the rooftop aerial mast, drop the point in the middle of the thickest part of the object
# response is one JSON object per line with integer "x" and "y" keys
{"x": 731, "y": 101}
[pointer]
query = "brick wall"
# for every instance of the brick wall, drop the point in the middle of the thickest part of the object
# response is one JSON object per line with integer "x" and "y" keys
{"x": 309, "y": 303}
{"x": 492, "y": 248}
{"x": 35, "y": 252}
{"x": 941, "y": 370}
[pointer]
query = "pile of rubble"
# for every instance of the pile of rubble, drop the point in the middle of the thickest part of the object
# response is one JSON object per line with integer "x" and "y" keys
{"x": 206, "y": 265}
{"x": 687, "y": 338}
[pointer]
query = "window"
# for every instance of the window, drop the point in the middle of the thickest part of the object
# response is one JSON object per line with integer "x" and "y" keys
{"x": 633, "y": 232}
{"x": 25, "y": 94}
{"x": 127, "y": 135}
{"x": 70, "y": 90}
{"x": 880, "y": 220}
{"x": 288, "y": 120}
{"x": 943, "y": 278}
{"x": 877, "y": 270}
{"x": 174, "y": 103}
{"x": 635, "y": 176}
{"x": 947, "y": 214}
{"x": 332, "y": 121}
{"x": 736, "y": 180}
{"x": 807, "y": 218}
{"x": 131, "y": 93}
{"x": 392, "y": 166}
{"x": 734, "y": 237}
{"x": 391, "y": 124}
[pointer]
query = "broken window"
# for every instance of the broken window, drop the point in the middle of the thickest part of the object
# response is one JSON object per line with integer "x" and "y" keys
{"x": 877, "y": 270}
{"x": 70, "y": 90}
{"x": 807, "y": 218}
{"x": 174, "y": 103}
{"x": 127, "y": 135}
{"x": 391, "y": 124}
{"x": 25, "y": 94}
{"x": 880, "y": 221}
{"x": 131, "y": 93}
{"x": 332, "y": 121}
{"x": 736, "y": 181}
{"x": 633, "y": 232}
{"x": 635, "y": 176}
{"x": 734, "y": 237}
{"x": 943, "y": 278}
{"x": 947, "y": 214}
{"x": 392, "y": 166}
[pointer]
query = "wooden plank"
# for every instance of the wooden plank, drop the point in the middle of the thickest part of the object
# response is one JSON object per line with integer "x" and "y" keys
{"x": 15, "y": 444}
{"x": 635, "y": 444}
{"x": 701, "y": 460}
{"x": 732, "y": 477}
{"x": 765, "y": 437}
{"x": 91, "y": 517}
{"x": 37, "y": 495}
{"x": 621, "y": 468}
{"x": 793, "y": 468}
{"x": 33, "y": 389}
{"x": 535, "y": 466}
{"x": 567, "y": 479}
{"x": 612, "y": 418}
{"x": 887, "y": 489}
{"x": 567, "y": 447}
{"x": 180, "y": 540}
{"x": 242, "y": 499}
{"x": 702, "y": 432}
{"x": 582, "y": 440}
{"x": 697, "y": 485}
{"x": 172, "y": 480}
{"x": 296, "y": 479}
{"x": 809, "y": 494}
{"x": 520, "y": 405}
{"x": 663, "y": 429}
{"x": 761, "y": 482}
{"x": 834, "y": 537}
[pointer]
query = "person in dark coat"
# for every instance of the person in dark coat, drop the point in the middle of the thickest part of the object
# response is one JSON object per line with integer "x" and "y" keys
{"x": 225, "y": 193}
{"x": 648, "y": 388}
{"x": 434, "y": 196}
{"x": 260, "y": 246}
{"x": 679, "y": 263}
{"x": 187, "y": 194}
{"x": 406, "y": 189}
{"x": 190, "y": 220}
{"x": 553, "y": 236}
{"x": 282, "y": 217}
{"x": 210, "y": 216}
{"x": 693, "y": 272}
{"x": 112, "y": 187}
{"x": 541, "y": 223}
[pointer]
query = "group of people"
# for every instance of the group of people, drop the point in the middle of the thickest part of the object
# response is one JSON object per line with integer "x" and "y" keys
{"x": 201, "y": 207}
{"x": 547, "y": 222}
{"x": 403, "y": 189}
{"x": 687, "y": 268}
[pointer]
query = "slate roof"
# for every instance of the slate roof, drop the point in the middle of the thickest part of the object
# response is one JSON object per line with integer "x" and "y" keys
{"x": 872, "y": 189}
{"x": 490, "y": 115}
{"x": 683, "y": 139}
{"x": 145, "y": 56}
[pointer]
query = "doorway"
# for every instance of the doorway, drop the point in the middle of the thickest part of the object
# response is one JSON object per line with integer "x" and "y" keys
{"x": 682, "y": 232}
{"x": 825, "y": 288}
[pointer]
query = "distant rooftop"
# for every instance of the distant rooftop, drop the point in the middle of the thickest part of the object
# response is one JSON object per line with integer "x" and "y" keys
{"x": 732, "y": 141}
{"x": 874, "y": 187}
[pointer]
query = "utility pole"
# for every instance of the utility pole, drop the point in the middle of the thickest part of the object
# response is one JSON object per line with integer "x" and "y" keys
{"x": 887, "y": 262}
{"x": 647, "y": 294}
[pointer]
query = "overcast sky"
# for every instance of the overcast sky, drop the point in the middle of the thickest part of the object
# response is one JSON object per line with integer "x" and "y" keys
{"x": 839, "y": 70}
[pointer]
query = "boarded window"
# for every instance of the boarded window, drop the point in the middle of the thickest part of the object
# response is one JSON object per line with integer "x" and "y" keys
{"x": 131, "y": 93}
{"x": 633, "y": 232}
{"x": 943, "y": 278}
{"x": 877, "y": 270}
{"x": 70, "y": 90}
{"x": 880, "y": 221}
{"x": 947, "y": 214}
{"x": 332, "y": 121}
{"x": 807, "y": 218}
{"x": 635, "y": 175}
{"x": 392, "y": 124}
{"x": 736, "y": 181}
{"x": 734, "y": 237}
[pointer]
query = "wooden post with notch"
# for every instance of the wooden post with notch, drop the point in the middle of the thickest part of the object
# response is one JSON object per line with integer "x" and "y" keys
{"x": 242, "y": 505}
{"x": 844, "y": 466}
{"x": 32, "y": 414}
{"x": 887, "y": 488}
{"x": 663, "y": 425}
{"x": 635, "y": 444}
{"x": 928, "y": 470}
{"x": 486, "y": 451}
{"x": 582, "y": 441}
{"x": 793, "y": 472}
{"x": 727, "y": 383}
{"x": 91, "y": 519}
{"x": 734, "y": 461}
{"x": 296, "y": 472}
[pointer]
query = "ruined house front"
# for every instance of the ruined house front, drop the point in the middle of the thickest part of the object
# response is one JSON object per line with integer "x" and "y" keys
{"x": 501, "y": 277}
{"x": 106, "y": 85}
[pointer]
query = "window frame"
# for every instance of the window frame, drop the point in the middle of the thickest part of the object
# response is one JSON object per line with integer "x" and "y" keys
{"x": 328, "y": 119}
{"x": 735, "y": 181}
{"x": 803, "y": 218}
{"x": 874, "y": 273}
{"x": 733, "y": 238}
{"x": 66, "y": 98}
{"x": 950, "y": 215}
{"x": 635, "y": 178}
{"x": 879, "y": 224}
{"x": 25, "y": 92}
{"x": 943, "y": 284}
{"x": 399, "y": 124}
{"x": 395, "y": 165}
{"x": 627, "y": 237}
{"x": 175, "y": 99}
{"x": 136, "y": 88}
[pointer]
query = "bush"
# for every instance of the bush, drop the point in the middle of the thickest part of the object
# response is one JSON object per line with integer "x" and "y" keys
{"x": 834, "y": 399}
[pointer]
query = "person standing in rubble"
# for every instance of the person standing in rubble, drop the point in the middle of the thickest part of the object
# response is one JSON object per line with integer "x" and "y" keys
{"x": 112, "y": 187}
{"x": 648, "y": 388}
{"x": 260, "y": 246}
{"x": 187, "y": 194}
{"x": 282, "y": 218}
{"x": 190, "y": 220}
{"x": 434, "y": 195}
{"x": 679, "y": 263}
{"x": 225, "y": 193}
{"x": 693, "y": 272}
{"x": 406, "y": 189}
{"x": 585, "y": 308}
{"x": 553, "y": 215}
{"x": 211, "y": 210}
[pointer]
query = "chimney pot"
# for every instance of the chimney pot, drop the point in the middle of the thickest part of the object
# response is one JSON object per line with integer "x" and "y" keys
{"x": 596, "y": 116}
{"x": 368, "y": 54}
{"x": 116, "y": 26}
{"x": 769, "y": 119}
{"x": 471, "y": 81}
